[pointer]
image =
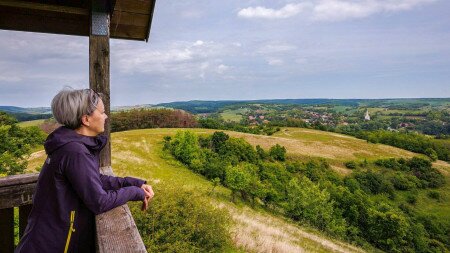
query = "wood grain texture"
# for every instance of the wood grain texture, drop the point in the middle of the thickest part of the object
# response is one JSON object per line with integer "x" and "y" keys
{"x": 116, "y": 229}
{"x": 99, "y": 78}
{"x": 16, "y": 195}
{"x": 19, "y": 179}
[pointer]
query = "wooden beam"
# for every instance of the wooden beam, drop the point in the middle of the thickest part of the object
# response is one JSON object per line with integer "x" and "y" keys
{"x": 17, "y": 190}
{"x": 99, "y": 71}
{"x": 41, "y": 21}
{"x": 19, "y": 179}
{"x": 134, "y": 6}
{"x": 116, "y": 229}
{"x": 44, "y": 7}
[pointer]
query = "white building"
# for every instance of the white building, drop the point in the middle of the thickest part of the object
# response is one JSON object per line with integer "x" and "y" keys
{"x": 367, "y": 116}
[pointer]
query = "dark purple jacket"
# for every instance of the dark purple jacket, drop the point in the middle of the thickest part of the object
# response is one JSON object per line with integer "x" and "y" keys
{"x": 70, "y": 192}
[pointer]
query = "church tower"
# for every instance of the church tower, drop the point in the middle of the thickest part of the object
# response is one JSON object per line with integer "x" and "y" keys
{"x": 367, "y": 116}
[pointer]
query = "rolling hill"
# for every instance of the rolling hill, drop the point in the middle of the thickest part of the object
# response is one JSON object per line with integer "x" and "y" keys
{"x": 139, "y": 153}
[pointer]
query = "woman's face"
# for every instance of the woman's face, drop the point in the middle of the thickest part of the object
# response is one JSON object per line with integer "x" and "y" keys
{"x": 97, "y": 119}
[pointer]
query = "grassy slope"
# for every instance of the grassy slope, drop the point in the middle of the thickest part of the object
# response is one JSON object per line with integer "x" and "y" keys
{"x": 36, "y": 122}
{"x": 139, "y": 153}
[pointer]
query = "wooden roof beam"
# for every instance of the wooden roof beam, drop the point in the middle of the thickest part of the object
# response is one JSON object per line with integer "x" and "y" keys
{"x": 45, "y": 7}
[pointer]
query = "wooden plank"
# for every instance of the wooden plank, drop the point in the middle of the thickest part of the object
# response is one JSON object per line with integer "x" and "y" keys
{"x": 19, "y": 179}
{"x": 116, "y": 229}
{"x": 24, "y": 212}
{"x": 126, "y": 18}
{"x": 7, "y": 230}
{"x": 134, "y": 6}
{"x": 129, "y": 32}
{"x": 11, "y": 19}
{"x": 16, "y": 195}
{"x": 45, "y": 7}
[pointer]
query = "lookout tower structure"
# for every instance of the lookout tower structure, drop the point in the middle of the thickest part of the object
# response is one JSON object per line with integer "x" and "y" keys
{"x": 99, "y": 20}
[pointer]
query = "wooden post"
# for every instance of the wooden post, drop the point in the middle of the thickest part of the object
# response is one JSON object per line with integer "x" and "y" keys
{"x": 99, "y": 65}
{"x": 24, "y": 212}
{"x": 116, "y": 230}
{"x": 7, "y": 230}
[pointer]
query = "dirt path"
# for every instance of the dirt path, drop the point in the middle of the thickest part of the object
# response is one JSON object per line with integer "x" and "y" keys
{"x": 259, "y": 232}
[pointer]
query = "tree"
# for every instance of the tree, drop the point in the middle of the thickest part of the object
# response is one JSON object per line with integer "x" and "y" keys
{"x": 278, "y": 152}
{"x": 307, "y": 202}
{"x": 185, "y": 147}
{"x": 218, "y": 140}
{"x": 16, "y": 144}
{"x": 431, "y": 153}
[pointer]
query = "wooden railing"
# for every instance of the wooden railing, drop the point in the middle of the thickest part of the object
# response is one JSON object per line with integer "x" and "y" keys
{"x": 116, "y": 229}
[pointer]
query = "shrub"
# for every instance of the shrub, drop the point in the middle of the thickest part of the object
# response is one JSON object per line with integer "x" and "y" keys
{"x": 431, "y": 153}
{"x": 185, "y": 147}
{"x": 350, "y": 165}
{"x": 434, "y": 195}
{"x": 262, "y": 154}
{"x": 275, "y": 178}
{"x": 387, "y": 229}
{"x": 243, "y": 178}
{"x": 278, "y": 152}
{"x": 422, "y": 169}
{"x": 404, "y": 182}
{"x": 411, "y": 198}
{"x": 238, "y": 149}
{"x": 218, "y": 140}
{"x": 182, "y": 221}
{"x": 307, "y": 202}
{"x": 15, "y": 145}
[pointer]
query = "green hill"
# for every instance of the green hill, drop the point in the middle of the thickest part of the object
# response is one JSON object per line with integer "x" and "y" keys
{"x": 139, "y": 153}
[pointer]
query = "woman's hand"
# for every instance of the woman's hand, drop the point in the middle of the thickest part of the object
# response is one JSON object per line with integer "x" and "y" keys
{"x": 148, "y": 195}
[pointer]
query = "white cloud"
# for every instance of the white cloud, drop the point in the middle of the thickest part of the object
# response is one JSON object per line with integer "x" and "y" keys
{"x": 199, "y": 43}
{"x": 332, "y": 10}
{"x": 191, "y": 14}
{"x": 10, "y": 78}
{"x": 287, "y": 11}
{"x": 191, "y": 60}
{"x": 276, "y": 47}
{"x": 222, "y": 68}
{"x": 275, "y": 62}
{"x": 335, "y": 10}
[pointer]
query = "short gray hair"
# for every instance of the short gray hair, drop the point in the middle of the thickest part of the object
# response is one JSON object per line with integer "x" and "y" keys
{"x": 69, "y": 105}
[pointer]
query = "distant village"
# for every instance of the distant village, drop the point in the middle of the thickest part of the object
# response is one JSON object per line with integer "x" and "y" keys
{"x": 258, "y": 117}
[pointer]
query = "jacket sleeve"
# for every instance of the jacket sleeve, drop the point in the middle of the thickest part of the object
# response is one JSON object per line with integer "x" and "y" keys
{"x": 84, "y": 177}
{"x": 115, "y": 183}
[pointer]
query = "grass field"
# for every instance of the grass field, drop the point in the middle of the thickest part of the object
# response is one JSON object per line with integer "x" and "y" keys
{"x": 31, "y": 123}
{"x": 233, "y": 115}
{"x": 139, "y": 153}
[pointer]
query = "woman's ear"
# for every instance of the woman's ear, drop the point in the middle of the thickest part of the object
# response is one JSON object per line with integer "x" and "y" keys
{"x": 85, "y": 120}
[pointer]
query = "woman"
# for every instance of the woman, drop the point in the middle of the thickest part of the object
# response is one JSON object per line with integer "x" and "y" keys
{"x": 70, "y": 190}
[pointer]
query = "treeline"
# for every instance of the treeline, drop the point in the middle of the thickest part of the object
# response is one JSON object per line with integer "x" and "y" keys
{"x": 15, "y": 145}
{"x": 419, "y": 143}
{"x": 28, "y": 116}
{"x": 151, "y": 118}
{"x": 434, "y": 148}
{"x": 215, "y": 122}
{"x": 310, "y": 192}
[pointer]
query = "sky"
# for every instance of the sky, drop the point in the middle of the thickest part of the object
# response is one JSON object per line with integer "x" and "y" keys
{"x": 248, "y": 49}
